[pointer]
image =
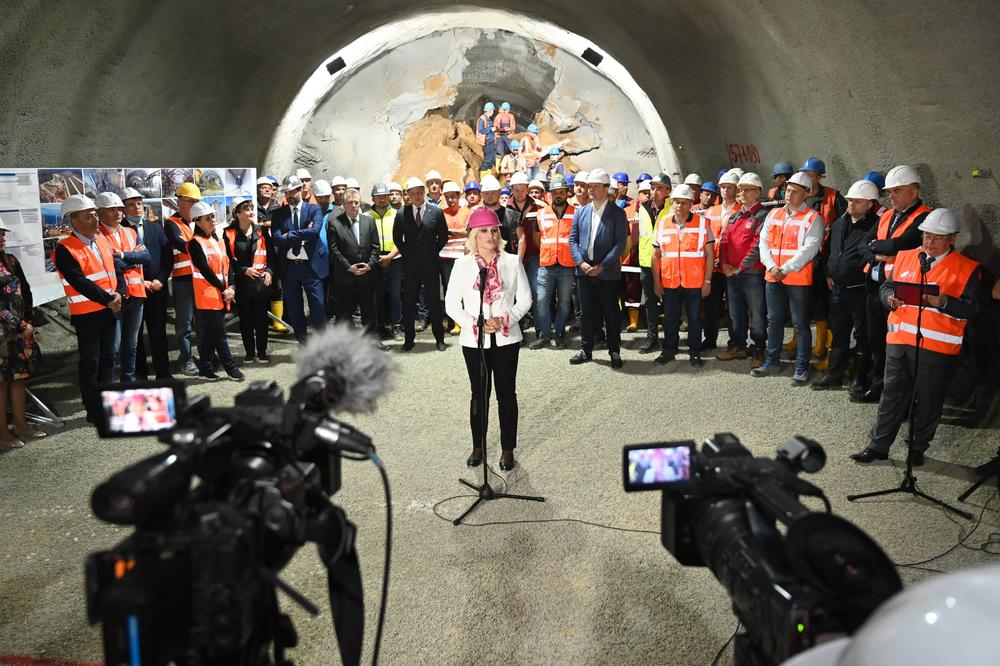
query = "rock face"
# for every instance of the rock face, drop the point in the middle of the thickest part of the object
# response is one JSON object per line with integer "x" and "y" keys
{"x": 437, "y": 142}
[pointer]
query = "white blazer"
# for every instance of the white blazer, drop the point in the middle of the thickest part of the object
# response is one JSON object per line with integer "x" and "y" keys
{"x": 461, "y": 301}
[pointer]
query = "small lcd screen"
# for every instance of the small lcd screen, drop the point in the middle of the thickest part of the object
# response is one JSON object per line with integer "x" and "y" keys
{"x": 648, "y": 467}
{"x": 138, "y": 411}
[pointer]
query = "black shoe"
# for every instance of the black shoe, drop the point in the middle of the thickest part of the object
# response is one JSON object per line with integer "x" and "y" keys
{"x": 407, "y": 346}
{"x": 869, "y": 396}
{"x": 382, "y": 346}
{"x": 580, "y": 357}
{"x": 917, "y": 459}
{"x": 708, "y": 346}
{"x": 250, "y": 359}
{"x": 441, "y": 346}
{"x": 697, "y": 362}
{"x": 505, "y": 467}
{"x": 616, "y": 360}
{"x": 827, "y": 382}
{"x": 263, "y": 359}
{"x": 541, "y": 343}
{"x": 560, "y": 342}
{"x": 868, "y": 455}
{"x": 649, "y": 346}
{"x": 475, "y": 460}
{"x": 663, "y": 358}
{"x": 208, "y": 374}
{"x": 236, "y": 375}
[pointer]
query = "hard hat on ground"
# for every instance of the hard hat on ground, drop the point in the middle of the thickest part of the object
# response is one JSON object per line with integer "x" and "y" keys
{"x": 901, "y": 175}
{"x": 322, "y": 188}
{"x": 451, "y": 186}
{"x": 303, "y": 174}
{"x": 201, "y": 209}
{"x": 710, "y": 187}
{"x": 558, "y": 183}
{"x": 519, "y": 178}
{"x": 876, "y": 177}
{"x": 490, "y": 183}
{"x": 802, "y": 179}
{"x": 379, "y": 189}
{"x": 598, "y": 177}
{"x": 108, "y": 200}
{"x": 693, "y": 179}
{"x": 189, "y": 190}
{"x": 750, "y": 179}
{"x": 130, "y": 193}
{"x": 412, "y": 182}
{"x": 290, "y": 184}
{"x": 682, "y": 191}
{"x": 863, "y": 189}
{"x": 813, "y": 163}
{"x": 74, "y": 204}
{"x": 940, "y": 221}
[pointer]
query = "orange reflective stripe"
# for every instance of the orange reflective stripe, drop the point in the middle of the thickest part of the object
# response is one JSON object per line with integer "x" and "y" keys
{"x": 554, "y": 237}
{"x": 101, "y": 273}
{"x": 182, "y": 260}
{"x": 682, "y": 251}
{"x": 885, "y": 221}
{"x": 784, "y": 238}
{"x": 135, "y": 284}
{"x": 207, "y": 297}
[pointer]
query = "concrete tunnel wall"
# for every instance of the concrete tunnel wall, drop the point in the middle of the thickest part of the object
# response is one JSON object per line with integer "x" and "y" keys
{"x": 864, "y": 85}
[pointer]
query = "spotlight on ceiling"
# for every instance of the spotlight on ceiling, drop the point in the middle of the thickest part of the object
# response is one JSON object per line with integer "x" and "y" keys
{"x": 337, "y": 64}
{"x": 593, "y": 57}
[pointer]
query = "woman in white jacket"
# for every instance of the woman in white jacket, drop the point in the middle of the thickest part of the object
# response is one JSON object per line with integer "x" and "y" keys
{"x": 506, "y": 298}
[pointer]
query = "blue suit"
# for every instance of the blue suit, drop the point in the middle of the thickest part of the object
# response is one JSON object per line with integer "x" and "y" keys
{"x": 298, "y": 276}
{"x": 599, "y": 295}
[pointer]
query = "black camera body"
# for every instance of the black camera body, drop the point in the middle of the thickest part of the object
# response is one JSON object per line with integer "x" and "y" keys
{"x": 818, "y": 578}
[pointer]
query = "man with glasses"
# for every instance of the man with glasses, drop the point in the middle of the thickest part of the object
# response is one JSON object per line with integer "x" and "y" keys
{"x": 179, "y": 233}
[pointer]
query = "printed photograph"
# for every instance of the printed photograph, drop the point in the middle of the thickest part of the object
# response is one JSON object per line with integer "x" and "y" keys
{"x": 171, "y": 178}
{"x": 147, "y": 181}
{"x": 240, "y": 182}
{"x": 96, "y": 181}
{"x": 54, "y": 185}
{"x": 210, "y": 181}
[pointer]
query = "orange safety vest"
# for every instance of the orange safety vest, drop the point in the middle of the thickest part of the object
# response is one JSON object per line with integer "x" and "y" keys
{"x": 531, "y": 150}
{"x": 134, "y": 282}
{"x": 718, "y": 219}
{"x": 101, "y": 273}
{"x": 773, "y": 193}
{"x": 259, "y": 252}
{"x": 182, "y": 260}
{"x": 457, "y": 221}
{"x": 207, "y": 297}
{"x": 682, "y": 251}
{"x": 784, "y": 238}
{"x": 940, "y": 332}
{"x": 885, "y": 221}
{"x": 555, "y": 237}
{"x": 828, "y": 206}
{"x": 504, "y": 122}
{"x": 630, "y": 255}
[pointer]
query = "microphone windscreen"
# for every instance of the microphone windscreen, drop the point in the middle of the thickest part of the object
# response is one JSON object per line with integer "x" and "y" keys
{"x": 347, "y": 358}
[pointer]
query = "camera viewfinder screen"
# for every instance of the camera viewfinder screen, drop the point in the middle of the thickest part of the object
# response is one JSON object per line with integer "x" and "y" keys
{"x": 653, "y": 467}
{"x": 139, "y": 410}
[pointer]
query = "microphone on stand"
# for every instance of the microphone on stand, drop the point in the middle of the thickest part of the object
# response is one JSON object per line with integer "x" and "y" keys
{"x": 925, "y": 262}
{"x": 482, "y": 281}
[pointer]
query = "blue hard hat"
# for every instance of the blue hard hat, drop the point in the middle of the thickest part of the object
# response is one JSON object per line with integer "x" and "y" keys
{"x": 782, "y": 169}
{"x": 710, "y": 187}
{"x": 473, "y": 185}
{"x": 505, "y": 106}
{"x": 643, "y": 177}
{"x": 813, "y": 163}
{"x": 274, "y": 181}
{"x": 620, "y": 177}
{"x": 506, "y": 191}
{"x": 489, "y": 106}
{"x": 570, "y": 179}
{"x": 876, "y": 177}
{"x": 722, "y": 172}
{"x": 533, "y": 128}
{"x": 515, "y": 144}
{"x": 553, "y": 151}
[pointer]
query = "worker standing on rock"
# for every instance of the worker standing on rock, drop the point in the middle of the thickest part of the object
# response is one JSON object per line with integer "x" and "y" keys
{"x": 513, "y": 162}
{"x": 504, "y": 125}
{"x": 487, "y": 139}
{"x": 532, "y": 151}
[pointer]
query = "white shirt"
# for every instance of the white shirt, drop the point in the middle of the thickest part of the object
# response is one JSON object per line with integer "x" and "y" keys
{"x": 356, "y": 228}
{"x": 595, "y": 219}
{"x": 416, "y": 211}
{"x": 461, "y": 300}
{"x": 291, "y": 254}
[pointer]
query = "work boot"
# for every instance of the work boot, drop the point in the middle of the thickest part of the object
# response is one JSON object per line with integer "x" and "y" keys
{"x": 278, "y": 310}
{"x": 822, "y": 343}
{"x": 633, "y": 320}
{"x": 456, "y": 329}
{"x": 541, "y": 343}
{"x": 650, "y": 345}
{"x": 862, "y": 366}
{"x": 560, "y": 341}
{"x": 834, "y": 377}
{"x": 732, "y": 354}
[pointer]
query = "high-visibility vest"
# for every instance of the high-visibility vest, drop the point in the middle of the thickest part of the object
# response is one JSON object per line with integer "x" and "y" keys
{"x": 885, "y": 221}
{"x": 126, "y": 240}
{"x": 259, "y": 251}
{"x": 828, "y": 206}
{"x": 207, "y": 297}
{"x": 784, "y": 238}
{"x": 630, "y": 255}
{"x": 504, "y": 122}
{"x": 182, "y": 260}
{"x": 682, "y": 251}
{"x": 646, "y": 226}
{"x": 484, "y": 130}
{"x": 718, "y": 217}
{"x": 531, "y": 151}
{"x": 940, "y": 332}
{"x": 384, "y": 225}
{"x": 101, "y": 273}
{"x": 457, "y": 222}
{"x": 555, "y": 237}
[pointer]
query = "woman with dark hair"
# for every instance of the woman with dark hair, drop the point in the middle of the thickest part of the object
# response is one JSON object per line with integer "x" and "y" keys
{"x": 18, "y": 348}
{"x": 252, "y": 258}
{"x": 506, "y": 298}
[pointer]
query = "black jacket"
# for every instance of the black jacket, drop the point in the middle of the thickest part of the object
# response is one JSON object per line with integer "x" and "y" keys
{"x": 911, "y": 238}
{"x": 241, "y": 258}
{"x": 846, "y": 249}
{"x": 154, "y": 237}
{"x": 419, "y": 247}
{"x": 345, "y": 250}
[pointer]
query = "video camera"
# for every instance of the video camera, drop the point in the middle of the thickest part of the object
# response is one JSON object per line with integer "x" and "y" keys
{"x": 818, "y": 578}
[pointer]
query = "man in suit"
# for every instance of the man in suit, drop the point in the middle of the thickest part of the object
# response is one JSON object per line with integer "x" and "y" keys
{"x": 303, "y": 257}
{"x": 596, "y": 241}
{"x": 354, "y": 258}
{"x": 420, "y": 233}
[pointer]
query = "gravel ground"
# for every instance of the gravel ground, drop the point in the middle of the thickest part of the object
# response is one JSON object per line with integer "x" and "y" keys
{"x": 523, "y": 593}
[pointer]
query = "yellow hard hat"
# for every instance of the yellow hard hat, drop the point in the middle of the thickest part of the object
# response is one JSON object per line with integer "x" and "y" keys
{"x": 189, "y": 190}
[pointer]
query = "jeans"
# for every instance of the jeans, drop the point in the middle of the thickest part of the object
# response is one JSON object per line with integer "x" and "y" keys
{"x": 673, "y": 300}
{"x": 553, "y": 280}
{"x": 746, "y": 301}
{"x": 651, "y": 303}
{"x": 127, "y": 336}
{"x": 183, "y": 312}
{"x": 779, "y": 296}
{"x": 531, "y": 270}
{"x": 392, "y": 293}
{"x": 878, "y": 315}
{"x": 533, "y": 172}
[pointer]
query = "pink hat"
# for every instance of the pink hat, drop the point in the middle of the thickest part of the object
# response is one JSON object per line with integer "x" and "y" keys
{"x": 483, "y": 217}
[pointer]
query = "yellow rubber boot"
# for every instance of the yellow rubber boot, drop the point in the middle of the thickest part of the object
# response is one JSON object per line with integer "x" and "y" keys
{"x": 278, "y": 310}
{"x": 456, "y": 329}
{"x": 821, "y": 350}
{"x": 633, "y": 320}
{"x": 792, "y": 344}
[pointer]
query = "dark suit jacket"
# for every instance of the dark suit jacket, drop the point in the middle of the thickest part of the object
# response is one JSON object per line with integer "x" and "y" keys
{"x": 612, "y": 233}
{"x": 419, "y": 247}
{"x": 345, "y": 251}
{"x": 309, "y": 232}
{"x": 154, "y": 237}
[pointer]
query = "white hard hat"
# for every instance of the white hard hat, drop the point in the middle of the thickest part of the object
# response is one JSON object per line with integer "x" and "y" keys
{"x": 130, "y": 193}
{"x": 644, "y": 186}
{"x": 901, "y": 175}
{"x": 693, "y": 179}
{"x": 200, "y": 209}
{"x": 413, "y": 181}
{"x": 802, "y": 179}
{"x": 352, "y": 184}
{"x": 289, "y": 183}
{"x": 738, "y": 171}
{"x": 940, "y": 221}
{"x": 395, "y": 187}
{"x": 322, "y": 188}
{"x": 74, "y": 204}
{"x": 451, "y": 186}
{"x": 598, "y": 177}
{"x": 750, "y": 179}
{"x": 236, "y": 203}
{"x": 518, "y": 178}
{"x": 432, "y": 175}
{"x": 863, "y": 189}
{"x": 682, "y": 191}
{"x": 303, "y": 174}
{"x": 536, "y": 183}
{"x": 730, "y": 178}
{"x": 264, "y": 180}
{"x": 338, "y": 181}
{"x": 108, "y": 200}
{"x": 490, "y": 183}
{"x": 582, "y": 177}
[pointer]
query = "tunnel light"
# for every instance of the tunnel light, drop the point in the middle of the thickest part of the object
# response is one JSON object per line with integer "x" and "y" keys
{"x": 592, "y": 56}
{"x": 335, "y": 65}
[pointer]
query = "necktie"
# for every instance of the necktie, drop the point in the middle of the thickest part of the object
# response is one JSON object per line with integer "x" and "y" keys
{"x": 417, "y": 216}
{"x": 295, "y": 224}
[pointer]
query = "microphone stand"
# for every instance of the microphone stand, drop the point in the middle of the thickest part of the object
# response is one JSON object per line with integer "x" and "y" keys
{"x": 485, "y": 491}
{"x": 909, "y": 483}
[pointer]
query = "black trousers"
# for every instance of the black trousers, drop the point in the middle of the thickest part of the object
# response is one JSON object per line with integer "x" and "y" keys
{"x": 878, "y": 327}
{"x": 599, "y": 302}
{"x": 712, "y": 310}
{"x": 849, "y": 311}
{"x": 652, "y": 303}
{"x": 210, "y": 327}
{"x": 429, "y": 277}
{"x": 901, "y": 375}
{"x": 501, "y": 370}
{"x": 358, "y": 293}
{"x": 154, "y": 320}
{"x": 95, "y": 340}
{"x": 254, "y": 321}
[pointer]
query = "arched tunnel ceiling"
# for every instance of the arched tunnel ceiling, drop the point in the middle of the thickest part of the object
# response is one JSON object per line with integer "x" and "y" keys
{"x": 864, "y": 85}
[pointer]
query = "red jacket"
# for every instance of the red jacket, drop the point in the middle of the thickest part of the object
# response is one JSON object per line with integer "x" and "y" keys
{"x": 740, "y": 243}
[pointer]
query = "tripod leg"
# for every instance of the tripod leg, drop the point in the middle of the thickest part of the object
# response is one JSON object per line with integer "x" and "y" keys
{"x": 469, "y": 484}
{"x": 875, "y": 493}
{"x": 973, "y": 488}
{"x": 458, "y": 521}
{"x": 530, "y": 498}
{"x": 933, "y": 500}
